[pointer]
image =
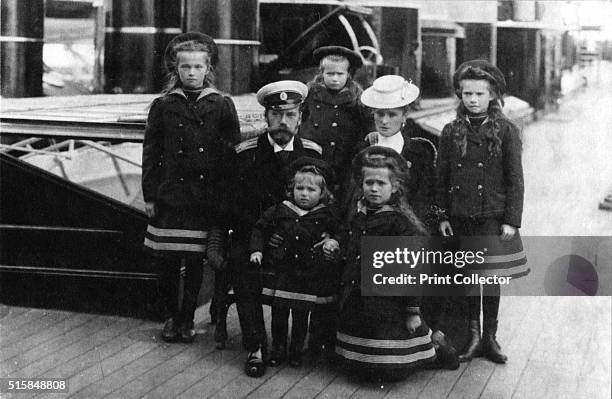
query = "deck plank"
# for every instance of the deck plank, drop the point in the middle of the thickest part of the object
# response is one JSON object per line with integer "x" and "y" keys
{"x": 45, "y": 338}
{"x": 283, "y": 382}
{"x": 140, "y": 365}
{"x": 106, "y": 356}
{"x": 83, "y": 340}
{"x": 23, "y": 319}
{"x": 157, "y": 376}
{"x": 474, "y": 379}
{"x": 342, "y": 386}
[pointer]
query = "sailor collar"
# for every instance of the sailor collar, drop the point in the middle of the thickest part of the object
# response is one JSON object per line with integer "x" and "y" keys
{"x": 301, "y": 212}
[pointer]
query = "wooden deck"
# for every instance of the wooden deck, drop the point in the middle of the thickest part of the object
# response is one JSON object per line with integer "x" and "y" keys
{"x": 559, "y": 347}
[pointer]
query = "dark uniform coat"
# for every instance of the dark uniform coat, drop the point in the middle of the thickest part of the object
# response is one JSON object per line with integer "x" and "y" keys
{"x": 481, "y": 190}
{"x": 187, "y": 147}
{"x": 372, "y": 333}
{"x": 337, "y": 122}
{"x": 304, "y": 278}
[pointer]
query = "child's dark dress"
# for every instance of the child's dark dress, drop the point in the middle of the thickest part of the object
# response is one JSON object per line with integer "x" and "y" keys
{"x": 303, "y": 279}
{"x": 372, "y": 334}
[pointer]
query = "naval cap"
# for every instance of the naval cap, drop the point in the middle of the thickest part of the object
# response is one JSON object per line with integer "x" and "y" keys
{"x": 389, "y": 91}
{"x": 284, "y": 94}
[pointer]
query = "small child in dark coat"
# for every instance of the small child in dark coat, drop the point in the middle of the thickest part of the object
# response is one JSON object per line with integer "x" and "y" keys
{"x": 305, "y": 273}
{"x": 332, "y": 114}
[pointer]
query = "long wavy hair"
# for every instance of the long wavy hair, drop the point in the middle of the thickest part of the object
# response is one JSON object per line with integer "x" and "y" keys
{"x": 173, "y": 80}
{"x": 495, "y": 114}
{"x": 386, "y": 158}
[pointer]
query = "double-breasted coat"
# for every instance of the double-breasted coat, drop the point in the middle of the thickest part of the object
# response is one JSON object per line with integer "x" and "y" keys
{"x": 372, "y": 332}
{"x": 186, "y": 152}
{"x": 337, "y": 122}
{"x": 303, "y": 277}
{"x": 482, "y": 190}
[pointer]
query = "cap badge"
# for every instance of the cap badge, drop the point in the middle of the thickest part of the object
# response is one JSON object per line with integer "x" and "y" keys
{"x": 283, "y": 96}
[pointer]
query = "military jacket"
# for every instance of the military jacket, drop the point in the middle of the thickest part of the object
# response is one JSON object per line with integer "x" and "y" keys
{"x": 481, "y": 184}
{"x": 261, "y": 178}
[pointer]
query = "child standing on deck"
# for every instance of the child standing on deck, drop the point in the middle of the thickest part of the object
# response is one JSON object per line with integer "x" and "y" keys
{"x": 480, "y": 186}
{"x": 333, "y": 116}
{"x": 188, "y": 143}
{"x": 380, "y": 336}
{"x": 305, "y": 274}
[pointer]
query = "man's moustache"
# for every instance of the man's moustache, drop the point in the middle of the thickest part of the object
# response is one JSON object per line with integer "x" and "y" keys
{"x": 280, "y": 130}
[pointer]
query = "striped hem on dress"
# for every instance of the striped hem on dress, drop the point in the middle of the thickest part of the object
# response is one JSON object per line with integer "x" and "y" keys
{"x": 296, "y": 296}
{"x": 397, "y": 353}
{"x": 175, "y": 240}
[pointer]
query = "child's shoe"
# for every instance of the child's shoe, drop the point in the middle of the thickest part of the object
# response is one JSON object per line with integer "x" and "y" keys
{"x": 187, "y": 332}
{"x": 445, "y": 351}
{"x": 255, "y": 365}
{"x": 295, "y": 358}
{"x": 278, "y": 355}
{"x": 170, "y": 330}
{"x": 473, "y": 346}
{"x": 490, "y": 346}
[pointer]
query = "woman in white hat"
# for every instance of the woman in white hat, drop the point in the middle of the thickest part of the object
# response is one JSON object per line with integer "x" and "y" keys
{"x": 390, "y": 97}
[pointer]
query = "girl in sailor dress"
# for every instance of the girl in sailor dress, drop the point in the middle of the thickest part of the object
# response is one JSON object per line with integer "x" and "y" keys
{"x": 188, "y": 143}
{"x": 306, "y": 269}
{"x": 380, "y": 336}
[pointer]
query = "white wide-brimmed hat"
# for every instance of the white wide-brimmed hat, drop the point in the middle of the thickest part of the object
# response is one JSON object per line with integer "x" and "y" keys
{"x": 389, "y": 91}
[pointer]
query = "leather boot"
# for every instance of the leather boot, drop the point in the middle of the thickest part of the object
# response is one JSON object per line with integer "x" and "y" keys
{"x": 472, "y": 347}
{"x": 445, "y": 351}
{"x": 170, "y": 330}
{"x": 490, "y": 346}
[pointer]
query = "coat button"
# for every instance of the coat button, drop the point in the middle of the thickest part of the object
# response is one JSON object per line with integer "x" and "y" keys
{"x": 297, "y": 256}
{"x": 457, "y": 188}
{"x": 201, "y": 123}
{"x": 180, "y": 125}
{"x": 201, "y": 177}
{"x": 480, "y": 186}
{"x": 181, "y": 179}
{"x": 334, "y": 124}
{"x": 200, "y": 149}
{"x": 180, "y": 152}
{"x": 297, "y": 237}
{"x": 480, "y": 164}
{"x": 316, "y": 125}
{"x": 336, "y": 106}
{"x": 332, "y": 144}
{"x": 318, "y": 106}
{"x": 297, "y": 220}
{"x": 358, "y": 257}
{"x": 459, "y": 165}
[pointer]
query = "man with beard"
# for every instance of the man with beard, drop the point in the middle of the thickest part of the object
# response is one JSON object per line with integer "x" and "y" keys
{"x": 262, "y": 174}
